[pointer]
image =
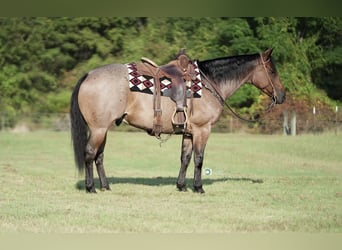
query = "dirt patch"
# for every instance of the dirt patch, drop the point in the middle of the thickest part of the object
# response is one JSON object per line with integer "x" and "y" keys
{"x": 21, "y": 128}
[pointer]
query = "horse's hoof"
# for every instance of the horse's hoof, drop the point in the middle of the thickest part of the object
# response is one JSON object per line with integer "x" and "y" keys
{"x": 91, "y": 191}
{"x": 199, "y": 190}
{"x": 182, "y": 188}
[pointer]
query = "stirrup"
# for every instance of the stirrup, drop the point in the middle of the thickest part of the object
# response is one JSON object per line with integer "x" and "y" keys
{"x": 179, "y": 127}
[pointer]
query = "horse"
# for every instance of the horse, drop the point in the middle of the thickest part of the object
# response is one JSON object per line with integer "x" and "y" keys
{"x": 102, "y": 98}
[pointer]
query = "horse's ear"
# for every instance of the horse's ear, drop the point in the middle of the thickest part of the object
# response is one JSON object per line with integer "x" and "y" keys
{"x": 181, "y": 51}
{"x": 183, "y": 61}
{"x": 267, "y": 53}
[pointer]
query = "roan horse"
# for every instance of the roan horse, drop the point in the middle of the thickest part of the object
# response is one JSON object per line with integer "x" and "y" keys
{"x": 102, "y": 98}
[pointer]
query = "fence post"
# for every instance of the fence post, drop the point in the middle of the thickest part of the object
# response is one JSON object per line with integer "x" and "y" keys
{"x": 2, "y": 121}
{"x": 314, "y": 118}
{"x": 293, "y": 123}
{"x": 336, "y": 125}
{"x": 286, "y": 129}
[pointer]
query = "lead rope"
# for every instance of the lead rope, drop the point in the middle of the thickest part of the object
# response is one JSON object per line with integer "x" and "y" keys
{"x": 239, "y": 116}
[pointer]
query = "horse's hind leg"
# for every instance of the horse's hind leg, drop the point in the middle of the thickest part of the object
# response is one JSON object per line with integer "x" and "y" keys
{"x": 95, "y": 142}
{"x": 89, "y": 175}
{"x": 99, "y": 166}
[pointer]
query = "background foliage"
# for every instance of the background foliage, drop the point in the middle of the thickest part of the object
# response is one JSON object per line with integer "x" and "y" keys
{"x": 41, "y": 58}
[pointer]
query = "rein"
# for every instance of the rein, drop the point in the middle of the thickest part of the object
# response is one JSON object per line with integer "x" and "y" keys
{"x": 217, "y": 93}
{"x": 213, "y": 89}
{"x": 239, "y": 116}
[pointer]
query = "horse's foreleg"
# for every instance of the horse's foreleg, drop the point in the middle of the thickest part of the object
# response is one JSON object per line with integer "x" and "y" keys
{"x": 198, "y": 155}
{"x": 185, "y": 159}
{"x": 200, "y": 142}
{"x": 99, "y": 167}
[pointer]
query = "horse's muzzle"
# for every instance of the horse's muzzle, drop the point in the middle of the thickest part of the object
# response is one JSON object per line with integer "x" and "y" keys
{"x": 281, "y": 96}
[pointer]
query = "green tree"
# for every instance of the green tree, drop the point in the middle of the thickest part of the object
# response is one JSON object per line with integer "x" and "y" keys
{"x": 41, "y": 58}
{"x": 326, "y": 69}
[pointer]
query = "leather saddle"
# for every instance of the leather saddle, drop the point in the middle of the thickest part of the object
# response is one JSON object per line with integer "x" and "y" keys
{"x": 181, "y": 72}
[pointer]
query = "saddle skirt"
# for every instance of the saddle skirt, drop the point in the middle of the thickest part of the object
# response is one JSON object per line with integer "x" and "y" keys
{"x": 141, "y": 79}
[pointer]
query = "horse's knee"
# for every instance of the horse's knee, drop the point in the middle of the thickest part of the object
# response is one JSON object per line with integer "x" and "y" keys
{"x": 198, "y": 160}
{"x": 185, "y": 158}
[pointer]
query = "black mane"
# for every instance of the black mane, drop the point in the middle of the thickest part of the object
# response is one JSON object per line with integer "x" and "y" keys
{"x": 228, "y": 68}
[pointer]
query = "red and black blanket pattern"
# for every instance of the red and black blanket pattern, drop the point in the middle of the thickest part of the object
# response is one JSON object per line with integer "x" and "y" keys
{"x": 143, "y": 83}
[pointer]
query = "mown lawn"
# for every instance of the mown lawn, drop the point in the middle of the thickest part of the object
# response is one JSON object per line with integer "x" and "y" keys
{"x": 259, "y": 183}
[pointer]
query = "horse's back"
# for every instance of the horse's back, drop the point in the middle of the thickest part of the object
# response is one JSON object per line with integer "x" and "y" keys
{"x": 103, "y": 95}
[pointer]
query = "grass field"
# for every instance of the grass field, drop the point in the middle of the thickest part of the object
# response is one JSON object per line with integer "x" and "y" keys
{"x": 259, "y": 183}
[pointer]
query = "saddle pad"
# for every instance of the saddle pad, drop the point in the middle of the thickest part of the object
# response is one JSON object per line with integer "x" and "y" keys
{"x": 140, "y": 82}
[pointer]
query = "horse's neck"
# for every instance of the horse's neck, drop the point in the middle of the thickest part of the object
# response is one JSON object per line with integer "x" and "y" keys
{"x": 229, "y": 87}
{"x": 226, "y": 76}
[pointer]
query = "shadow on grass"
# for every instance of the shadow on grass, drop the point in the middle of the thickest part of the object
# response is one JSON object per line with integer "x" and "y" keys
{"x": 163, "y": 181}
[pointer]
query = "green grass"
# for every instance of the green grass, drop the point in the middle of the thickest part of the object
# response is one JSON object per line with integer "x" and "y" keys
{"x": 259, "y": 184}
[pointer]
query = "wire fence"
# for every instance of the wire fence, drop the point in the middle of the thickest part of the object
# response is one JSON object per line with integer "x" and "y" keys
{"x": 287, "y": 123}
{"x": 35, "y": 121}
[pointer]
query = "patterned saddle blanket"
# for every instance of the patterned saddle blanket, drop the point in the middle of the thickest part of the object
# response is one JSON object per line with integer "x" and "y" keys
{"x": 141, "y": 81}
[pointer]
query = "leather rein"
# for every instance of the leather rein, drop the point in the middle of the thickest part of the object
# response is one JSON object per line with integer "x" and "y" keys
{"x": 212, "y": 87}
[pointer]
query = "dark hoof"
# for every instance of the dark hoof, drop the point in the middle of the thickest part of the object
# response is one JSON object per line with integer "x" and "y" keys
{"x": 181, "y": 187}
{"x": 91, "y": 191}
{"x": 199, "y": 190}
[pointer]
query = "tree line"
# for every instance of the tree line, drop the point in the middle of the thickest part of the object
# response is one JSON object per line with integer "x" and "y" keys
{"x": 41, "y": 58}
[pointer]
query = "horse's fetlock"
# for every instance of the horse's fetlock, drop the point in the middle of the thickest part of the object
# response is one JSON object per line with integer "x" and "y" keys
{"x": 90, "y": 190}
{"x": 182, "y": 187}
{"x": 199, "y": 189}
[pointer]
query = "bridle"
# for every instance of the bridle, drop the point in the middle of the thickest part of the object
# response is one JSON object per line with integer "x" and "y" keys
{"x": 270, "y": 82}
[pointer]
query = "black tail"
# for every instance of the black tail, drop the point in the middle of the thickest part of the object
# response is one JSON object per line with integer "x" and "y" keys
{"x": 79, "y": 129}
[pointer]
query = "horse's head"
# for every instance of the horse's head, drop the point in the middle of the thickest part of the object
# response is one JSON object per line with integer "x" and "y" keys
{"x": 266, "y": 78}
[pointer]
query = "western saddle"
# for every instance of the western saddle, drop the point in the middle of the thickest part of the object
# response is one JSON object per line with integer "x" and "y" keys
{"x": 181, "y": 72}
